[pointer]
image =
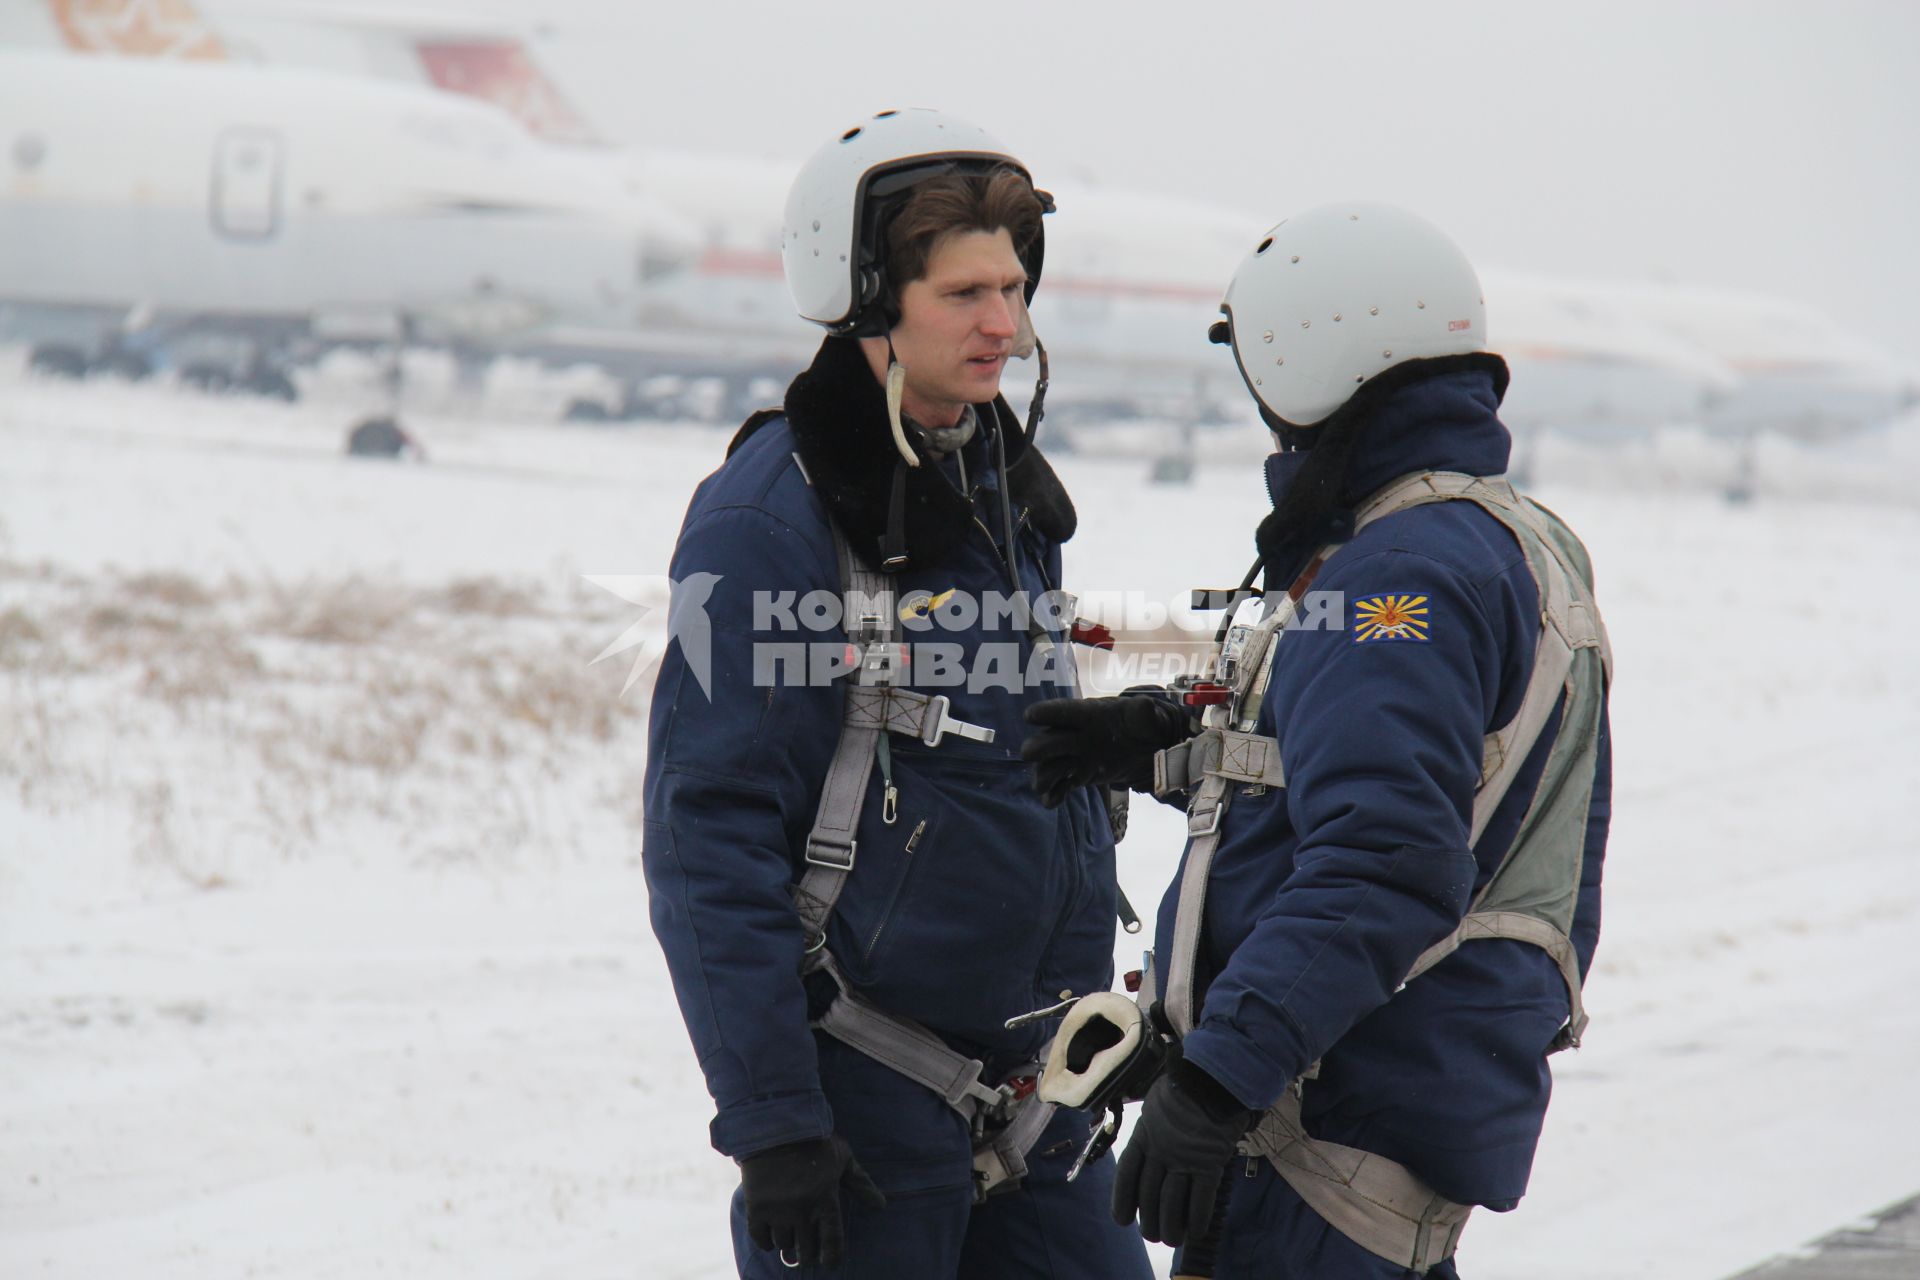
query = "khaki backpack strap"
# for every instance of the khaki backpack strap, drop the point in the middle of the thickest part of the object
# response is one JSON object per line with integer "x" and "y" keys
{"x": 1519, "y": 928}
{"x": 1554, "y": 824}
{"x": 1252, "y": 758}
{"x": 1212, "y": 759}
{"x": 1506, "y": 750}
{"x": 1203, "y": 838}
{"x": 1217, "y": 757}
{"x": 1375, "y": 1202}
{"x": 1413, "y": 490}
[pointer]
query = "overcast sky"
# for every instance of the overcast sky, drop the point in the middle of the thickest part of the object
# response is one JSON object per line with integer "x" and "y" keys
{"x": 1769, "y": 146}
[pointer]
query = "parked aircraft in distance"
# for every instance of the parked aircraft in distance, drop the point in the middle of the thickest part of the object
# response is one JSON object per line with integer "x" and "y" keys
{"x": 392, "y": 173}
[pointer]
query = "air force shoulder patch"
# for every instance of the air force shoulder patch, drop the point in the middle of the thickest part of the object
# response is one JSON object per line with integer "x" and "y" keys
{"x": 1380, "y": 619}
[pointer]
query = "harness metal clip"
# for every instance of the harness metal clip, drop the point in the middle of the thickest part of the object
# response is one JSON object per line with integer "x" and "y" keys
{"x": 1041, "y": 1015}
{"x": 937, "y": 724}
{"x": 1099, "y": 1142}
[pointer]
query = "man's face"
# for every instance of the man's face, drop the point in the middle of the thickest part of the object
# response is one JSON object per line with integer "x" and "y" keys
{"x": 957, "y": 324}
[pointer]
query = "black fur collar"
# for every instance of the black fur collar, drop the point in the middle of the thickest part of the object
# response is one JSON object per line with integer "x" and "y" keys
{"x": 838, "y": 411}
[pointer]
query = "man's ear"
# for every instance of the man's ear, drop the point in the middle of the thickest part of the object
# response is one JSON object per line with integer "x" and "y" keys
{"x": 875, "y": 350}
{"x": 1024, "y": 338}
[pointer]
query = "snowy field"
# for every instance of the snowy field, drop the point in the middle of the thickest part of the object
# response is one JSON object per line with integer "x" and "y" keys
{"x": 323, "y": 938}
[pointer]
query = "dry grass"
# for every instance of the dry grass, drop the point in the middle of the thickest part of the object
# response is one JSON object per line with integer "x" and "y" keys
{"x": 174, "y": 590}
{"x": 202, "y": 664}
{"x": 20, "y": 635}
{"x": 485, "y": 597}
{"x": 351, "y": 611}
{"x": 267, "y": 719}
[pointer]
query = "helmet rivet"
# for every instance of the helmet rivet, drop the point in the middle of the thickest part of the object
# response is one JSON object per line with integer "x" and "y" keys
{"x": 816, "y": 224}
{"x": 1386, "y": 355}
{"x": 1267, "y": 336}
{"x": 1373, "y": 311}
{"x": 1421, "y": 305}
{"x": 1258, "y": 383}
{"x": 1359, "y": 377}
{"x": 1306, "y": 324}
{"x": 1296, "y": 257}
{"x": 1336, "y": 317}
{"x": 1279, "y": 359}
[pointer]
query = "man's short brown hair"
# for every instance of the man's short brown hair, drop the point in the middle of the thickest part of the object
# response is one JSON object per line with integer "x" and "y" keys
{"x": 953, "y": 203}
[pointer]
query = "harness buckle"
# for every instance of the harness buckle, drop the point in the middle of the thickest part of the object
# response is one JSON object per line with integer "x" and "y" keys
{"x": 881, "y": 663}
{"x": 1204, "y": 820}
{"x": 823, "y": 854}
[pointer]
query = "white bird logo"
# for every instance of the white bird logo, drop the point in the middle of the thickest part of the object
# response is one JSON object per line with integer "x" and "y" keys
{"x": 687, "y": 622}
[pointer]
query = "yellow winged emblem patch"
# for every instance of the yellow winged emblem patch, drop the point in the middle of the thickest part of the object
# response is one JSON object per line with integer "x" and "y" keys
{"x": 1390, "y": 616}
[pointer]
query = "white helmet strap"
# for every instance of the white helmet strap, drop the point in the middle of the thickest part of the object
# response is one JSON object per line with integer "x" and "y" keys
{"x": 896, "y": 391}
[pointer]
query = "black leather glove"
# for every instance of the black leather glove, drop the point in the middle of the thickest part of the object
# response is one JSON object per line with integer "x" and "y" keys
{"x": 1171, "y": 1171}
{"x": 1080, "y": 741}
{"x": 793, "y": 1198}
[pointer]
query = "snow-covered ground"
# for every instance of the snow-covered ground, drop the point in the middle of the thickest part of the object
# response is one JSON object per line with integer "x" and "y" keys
{"x": 323, "y": 940}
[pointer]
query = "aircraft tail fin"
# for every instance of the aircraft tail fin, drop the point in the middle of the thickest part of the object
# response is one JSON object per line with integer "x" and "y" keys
{"x": 499, "y": 70}
{"x": 137, "y": 29}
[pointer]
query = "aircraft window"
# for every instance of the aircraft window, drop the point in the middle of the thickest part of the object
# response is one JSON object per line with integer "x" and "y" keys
{"x": 245, "y": 193}
{"x": 29, "y": 149}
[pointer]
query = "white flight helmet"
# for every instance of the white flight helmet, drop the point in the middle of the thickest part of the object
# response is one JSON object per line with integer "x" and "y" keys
{"x": 838, "y": 207}
{"x": 1340, "y": 294}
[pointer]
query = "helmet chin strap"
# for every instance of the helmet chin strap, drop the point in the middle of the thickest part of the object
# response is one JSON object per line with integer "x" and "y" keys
{"x": 893, "y": 548}
{"x": 893, "y": 543}
{"x": 896, "y": 389}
